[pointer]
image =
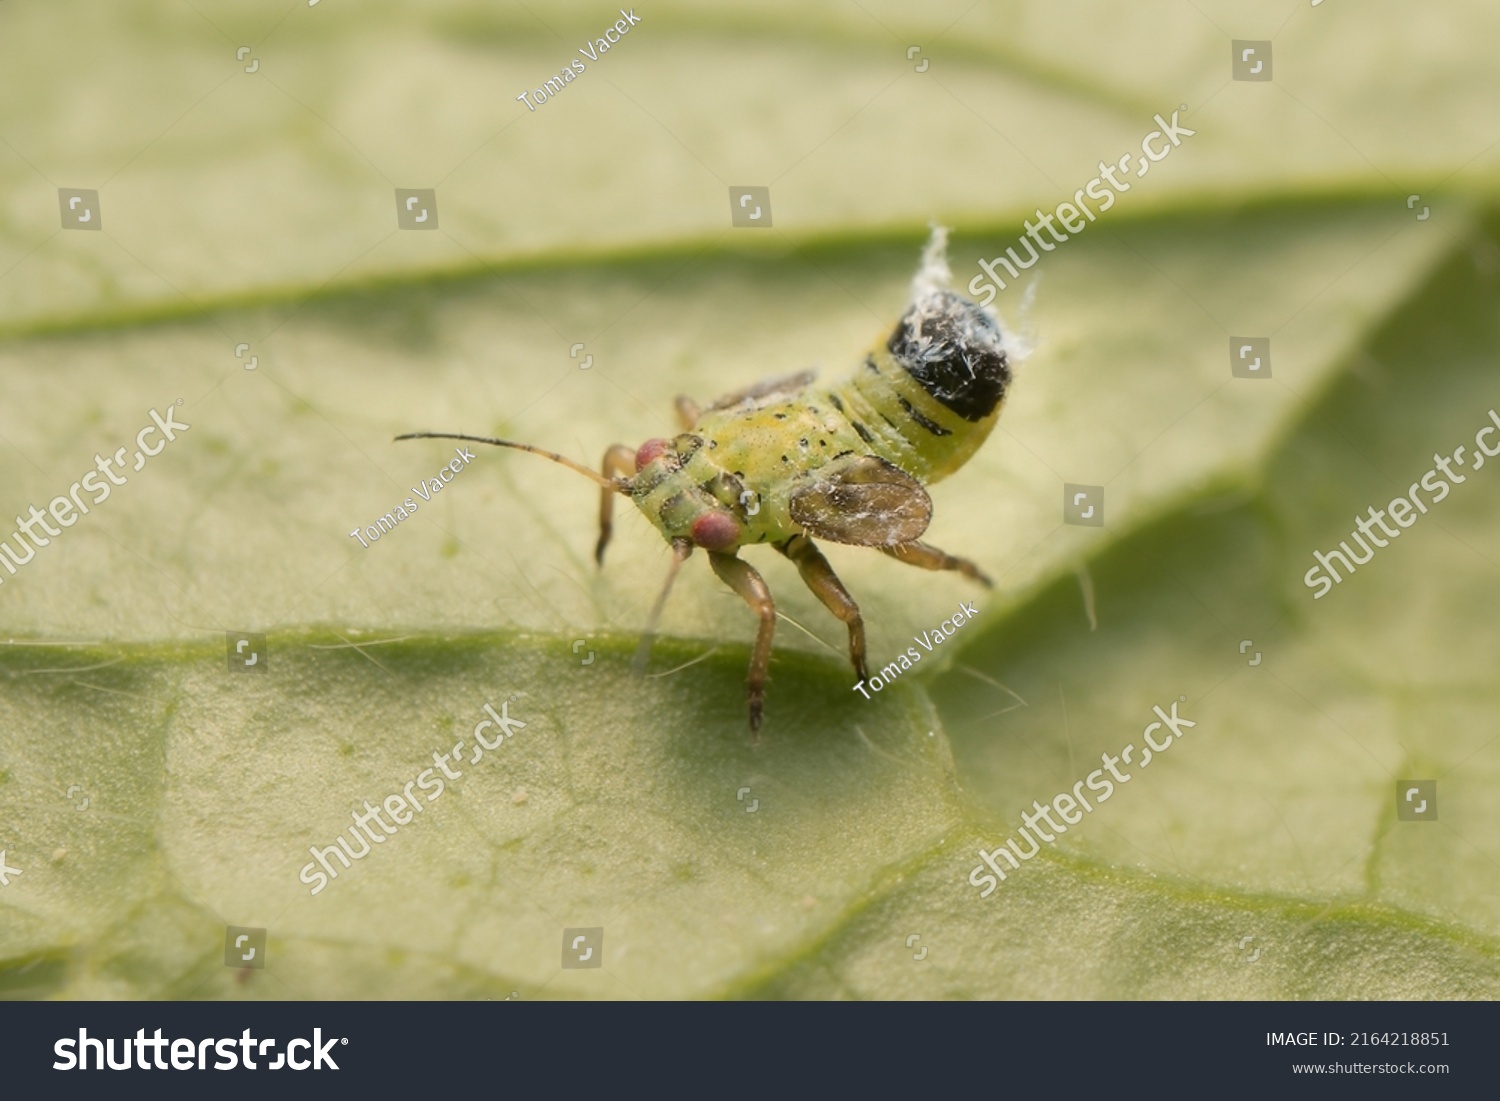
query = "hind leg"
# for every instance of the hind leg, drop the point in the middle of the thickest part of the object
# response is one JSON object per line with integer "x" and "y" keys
{"x": 930, "y": 558}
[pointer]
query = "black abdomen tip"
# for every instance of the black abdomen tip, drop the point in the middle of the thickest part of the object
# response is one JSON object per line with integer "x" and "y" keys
{"x": 952, "y": 347}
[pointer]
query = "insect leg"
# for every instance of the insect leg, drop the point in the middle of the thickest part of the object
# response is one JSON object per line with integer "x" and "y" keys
{"x": 930, "y": 558}
{"x": 825, "y": 585}
{"x": 619, "y": 461}
{"x": 743, "y": 579}
{"x": 687, "y": 412}
{"x": 681, "y": 549}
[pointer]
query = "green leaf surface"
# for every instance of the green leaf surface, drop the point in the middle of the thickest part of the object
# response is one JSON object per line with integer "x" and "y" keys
{"x": 153, "y": 796}
{"x": 219, "y": 184}
{"x": 618, "y": 804}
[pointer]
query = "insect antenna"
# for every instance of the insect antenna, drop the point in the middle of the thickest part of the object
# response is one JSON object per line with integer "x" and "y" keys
{"x": 619, "y": 485}
{"x": 681, "y": 548}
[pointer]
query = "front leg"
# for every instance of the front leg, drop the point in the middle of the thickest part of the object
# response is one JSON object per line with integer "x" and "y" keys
{"x": 743, "y": 579}
{"x": 688, "y": 412}
{"x": 619, "y": 462}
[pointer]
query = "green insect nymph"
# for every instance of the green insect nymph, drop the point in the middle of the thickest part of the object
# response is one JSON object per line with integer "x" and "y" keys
{"x": 788, "y": 461}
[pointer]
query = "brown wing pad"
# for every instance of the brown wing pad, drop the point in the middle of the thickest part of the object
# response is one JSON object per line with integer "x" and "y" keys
{"x": 863, "y": 501}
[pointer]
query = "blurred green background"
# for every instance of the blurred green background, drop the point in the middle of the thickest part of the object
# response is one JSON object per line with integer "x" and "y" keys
{"x": 151, "y": 797}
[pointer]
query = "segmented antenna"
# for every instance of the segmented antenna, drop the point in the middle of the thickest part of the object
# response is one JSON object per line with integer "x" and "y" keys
{"x": 619, "y": 485}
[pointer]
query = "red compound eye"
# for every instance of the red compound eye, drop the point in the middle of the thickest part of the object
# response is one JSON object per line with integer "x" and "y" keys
{"x": 649, "y": 452}
{"x": 716, "y": 531}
